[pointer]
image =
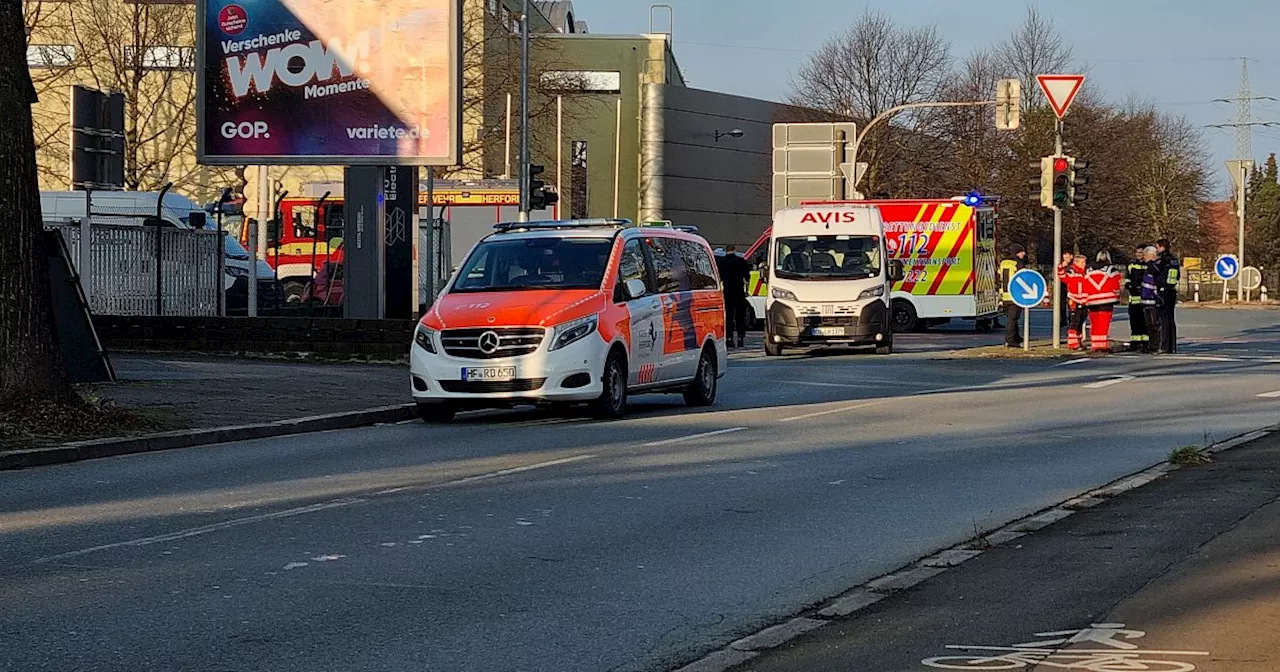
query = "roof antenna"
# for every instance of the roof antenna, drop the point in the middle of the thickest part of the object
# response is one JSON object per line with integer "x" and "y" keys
{"x": 671, "y": 20}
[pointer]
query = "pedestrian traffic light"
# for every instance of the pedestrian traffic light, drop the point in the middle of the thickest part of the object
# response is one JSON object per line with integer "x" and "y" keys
{"x": 1061, "y": 166}
{"x": 1079, "y": 177}
{"x": 539, "y": 195}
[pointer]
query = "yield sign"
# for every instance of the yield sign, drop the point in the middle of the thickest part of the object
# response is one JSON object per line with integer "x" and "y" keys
{"x": 1060, "y": 90}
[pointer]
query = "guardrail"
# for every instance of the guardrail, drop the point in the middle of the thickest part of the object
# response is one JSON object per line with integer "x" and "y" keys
{"x": 120, "y": 278}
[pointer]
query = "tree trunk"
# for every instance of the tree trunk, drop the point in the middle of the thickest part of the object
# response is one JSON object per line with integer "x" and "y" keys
{"x": 31, "y": 366}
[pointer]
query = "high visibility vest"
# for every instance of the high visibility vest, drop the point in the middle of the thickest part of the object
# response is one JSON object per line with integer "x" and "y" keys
{"x": 1007, "y": 268}
{"x": 756, "y": 286}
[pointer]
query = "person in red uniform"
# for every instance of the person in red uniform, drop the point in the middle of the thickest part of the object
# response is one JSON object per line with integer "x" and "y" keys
{"x": 1072, "y": 277}
{"x": 1100, "y": 292}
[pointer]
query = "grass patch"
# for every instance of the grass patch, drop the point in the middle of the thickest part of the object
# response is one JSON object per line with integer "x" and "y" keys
{"x": 1187, "y": 456}
{"x": 1040, "y": 350}
{"x": 36, "y": 424}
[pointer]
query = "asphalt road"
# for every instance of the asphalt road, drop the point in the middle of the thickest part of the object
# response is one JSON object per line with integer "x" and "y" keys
{"x": 524, "y": 541}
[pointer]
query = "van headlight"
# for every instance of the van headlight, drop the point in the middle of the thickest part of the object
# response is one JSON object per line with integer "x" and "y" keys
{"x": 425, "y": 338}
{"x": 573, "y": 331}
{"x": 784, "y": 294}
{"x": 872, "y": 292}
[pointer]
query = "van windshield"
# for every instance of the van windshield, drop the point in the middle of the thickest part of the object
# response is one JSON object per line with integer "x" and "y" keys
{"x": 535, "y": 263}
{"x": 828, "y": 257}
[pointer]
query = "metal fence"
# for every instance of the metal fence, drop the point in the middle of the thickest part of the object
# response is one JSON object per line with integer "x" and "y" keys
{"x": 435, "y": 259}
{"x": 121, "y": 277}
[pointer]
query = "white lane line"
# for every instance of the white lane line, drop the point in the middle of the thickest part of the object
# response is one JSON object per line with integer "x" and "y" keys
{"x": 1108, "y": 381}
{"x": 842, "y": 409}
{"x": 302, "y": 510}
{"x": 516, "y": 470}
{"x": 691, "y": 437}
{"x": 1197, "y": 358}
{"x": 877, "y": 385}
{"x": 1270, "y": 395}
{"x": 1082, "y": 360}
{"x": 205, "y": 529}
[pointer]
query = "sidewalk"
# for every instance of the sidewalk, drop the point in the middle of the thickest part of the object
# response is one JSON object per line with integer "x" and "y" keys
{"x": 178, "y": 395}
{"x": 1182, "y": 574}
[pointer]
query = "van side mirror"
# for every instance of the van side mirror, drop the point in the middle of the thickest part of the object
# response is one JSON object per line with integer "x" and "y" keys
{"x": 634, "y": 289}
{"x": 896, "y": 272}
{"x": 197, "y": 220}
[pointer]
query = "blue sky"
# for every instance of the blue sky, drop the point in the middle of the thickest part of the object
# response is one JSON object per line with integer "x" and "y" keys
{"x": 1175, "y": 53}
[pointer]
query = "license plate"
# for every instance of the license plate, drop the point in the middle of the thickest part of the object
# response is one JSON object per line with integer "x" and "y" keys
{"x": 828, "y": 331}
{"x": 488, "y": 373}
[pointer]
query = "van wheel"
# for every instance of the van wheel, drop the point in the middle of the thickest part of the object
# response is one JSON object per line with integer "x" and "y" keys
{"x": 702, "y": 391}
{"x": 904, "y": 316}
{"x": 437, "y": 413}
{"x": 770, "y": 348}
{"x": 293, "y": 291}
{"x": 612, "y": 402}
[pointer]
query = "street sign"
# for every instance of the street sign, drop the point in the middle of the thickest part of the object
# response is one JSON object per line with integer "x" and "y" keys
{"x": 1250, "y": 278}
{"x": 1238, "y": 168}
{"x": 1061, "y": 90}
{"x": 1028, "y": 288}
{"x": 807, "y": 160}
{"x": 1227, "y": 266}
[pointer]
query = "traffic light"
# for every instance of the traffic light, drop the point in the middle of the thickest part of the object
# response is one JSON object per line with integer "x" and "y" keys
{"x": 1043, "y": 182}
{"x": 1077, "y": 179}
{"x": 539, "y": 196}
{"x": 1061, "y": 166}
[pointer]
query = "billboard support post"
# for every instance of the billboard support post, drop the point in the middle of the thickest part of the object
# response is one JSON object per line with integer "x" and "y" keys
{"x": 363, "y": 280}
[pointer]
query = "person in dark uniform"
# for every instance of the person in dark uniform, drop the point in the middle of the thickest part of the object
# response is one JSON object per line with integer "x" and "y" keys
{"x": 1167, "y": 271}
{"x": 734, "y": 272}
{"x": 1012, "y": 312}
{"x": 1136, "y": 271}
{"x": 1151, "y": 313}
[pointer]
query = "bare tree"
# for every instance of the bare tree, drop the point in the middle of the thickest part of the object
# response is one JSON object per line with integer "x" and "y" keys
{"x": 31, "y": 366}
{"x": 52, "y": 74}
{"x": 873, "y": 66}
{"x": 1035, "y": 48}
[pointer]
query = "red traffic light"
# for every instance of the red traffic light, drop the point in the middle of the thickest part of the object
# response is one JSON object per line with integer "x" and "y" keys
{"x": 1060, "y": 165}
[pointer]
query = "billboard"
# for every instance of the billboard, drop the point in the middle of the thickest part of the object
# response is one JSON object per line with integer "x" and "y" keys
{"x": 315, "y": 82}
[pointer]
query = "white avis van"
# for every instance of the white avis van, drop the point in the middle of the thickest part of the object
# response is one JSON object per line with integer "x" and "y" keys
{"x": 829, "y": 279}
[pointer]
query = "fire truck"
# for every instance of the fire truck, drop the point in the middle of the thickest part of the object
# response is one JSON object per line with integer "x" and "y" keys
{"x": 306, "y": 236}
{"x": 948, "y": 250}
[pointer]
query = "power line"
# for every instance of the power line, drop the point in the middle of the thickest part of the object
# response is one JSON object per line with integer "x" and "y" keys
{"x": 1245, "y": 122}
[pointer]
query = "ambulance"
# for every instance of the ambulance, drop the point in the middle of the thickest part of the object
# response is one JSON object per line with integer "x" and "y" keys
{"x": 577, "y": 311}
{"x": 948, "y": 251}
{"x": 829, "y": 276}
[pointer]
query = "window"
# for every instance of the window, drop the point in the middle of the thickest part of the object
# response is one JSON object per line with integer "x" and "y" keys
{"x": 582, "y": 81}
{"x": 670, "y": 272}
{"x": 50, "y": 55}
{"x": 828, "y": 257}
{"x": 535, "y": 263}
{"x": 304, "y": 221}
{"x": 578, "y": 188}
{"x": 700, "y": 268}
{"x": 334, "y": 223}
{"x": 162, "y": 58}
{"x": 632, "y": 267}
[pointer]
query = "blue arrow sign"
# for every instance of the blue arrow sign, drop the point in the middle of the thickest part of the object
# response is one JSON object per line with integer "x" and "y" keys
{"x": 1227, "y": 266}
{"x": 1027, "y": 288}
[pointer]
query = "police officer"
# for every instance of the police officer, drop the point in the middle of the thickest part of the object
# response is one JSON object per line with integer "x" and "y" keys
{"x": 1167, "y": 271}
{"x": 1012, "y": 312}
{"x": 1137, "y": 269}
{"x": 1150, "y": 312}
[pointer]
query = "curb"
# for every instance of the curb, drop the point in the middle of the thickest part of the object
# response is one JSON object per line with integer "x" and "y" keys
{"x": 862, "y": 596}
{"x": 97, "y": 448}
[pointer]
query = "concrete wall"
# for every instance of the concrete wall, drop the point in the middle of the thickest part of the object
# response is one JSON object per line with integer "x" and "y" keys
{"x": 689, "y": 177}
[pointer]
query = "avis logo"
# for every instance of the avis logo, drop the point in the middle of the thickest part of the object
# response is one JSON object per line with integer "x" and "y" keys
{"x": 828, "y": 218}
{"x": 246, "y": 129}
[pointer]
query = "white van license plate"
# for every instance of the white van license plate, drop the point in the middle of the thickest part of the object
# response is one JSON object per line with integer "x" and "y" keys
{"x": 828, "y": 331}
{"x": 488, "y": 373}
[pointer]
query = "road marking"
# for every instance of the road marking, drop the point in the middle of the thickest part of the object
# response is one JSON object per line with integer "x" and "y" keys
{"x": 1198, "y": 358}
{"x": 813, "y": 383}
{"x": 206, "y": 529}
{"x": 833, "y": 411}
{"x": 1108, "y": 381}
{"x": 302, "y": 510}
{"x": 1270, "y": 395}
{"x": 691, "y": 437}
{"x": 1082, "y": 360}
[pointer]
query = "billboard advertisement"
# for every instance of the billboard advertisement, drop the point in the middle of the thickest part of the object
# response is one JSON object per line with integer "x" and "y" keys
{"x": 316, "y": 82}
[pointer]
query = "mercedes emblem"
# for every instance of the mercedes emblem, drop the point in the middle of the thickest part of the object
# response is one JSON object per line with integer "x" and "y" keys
{"x": 489, "y": 342}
